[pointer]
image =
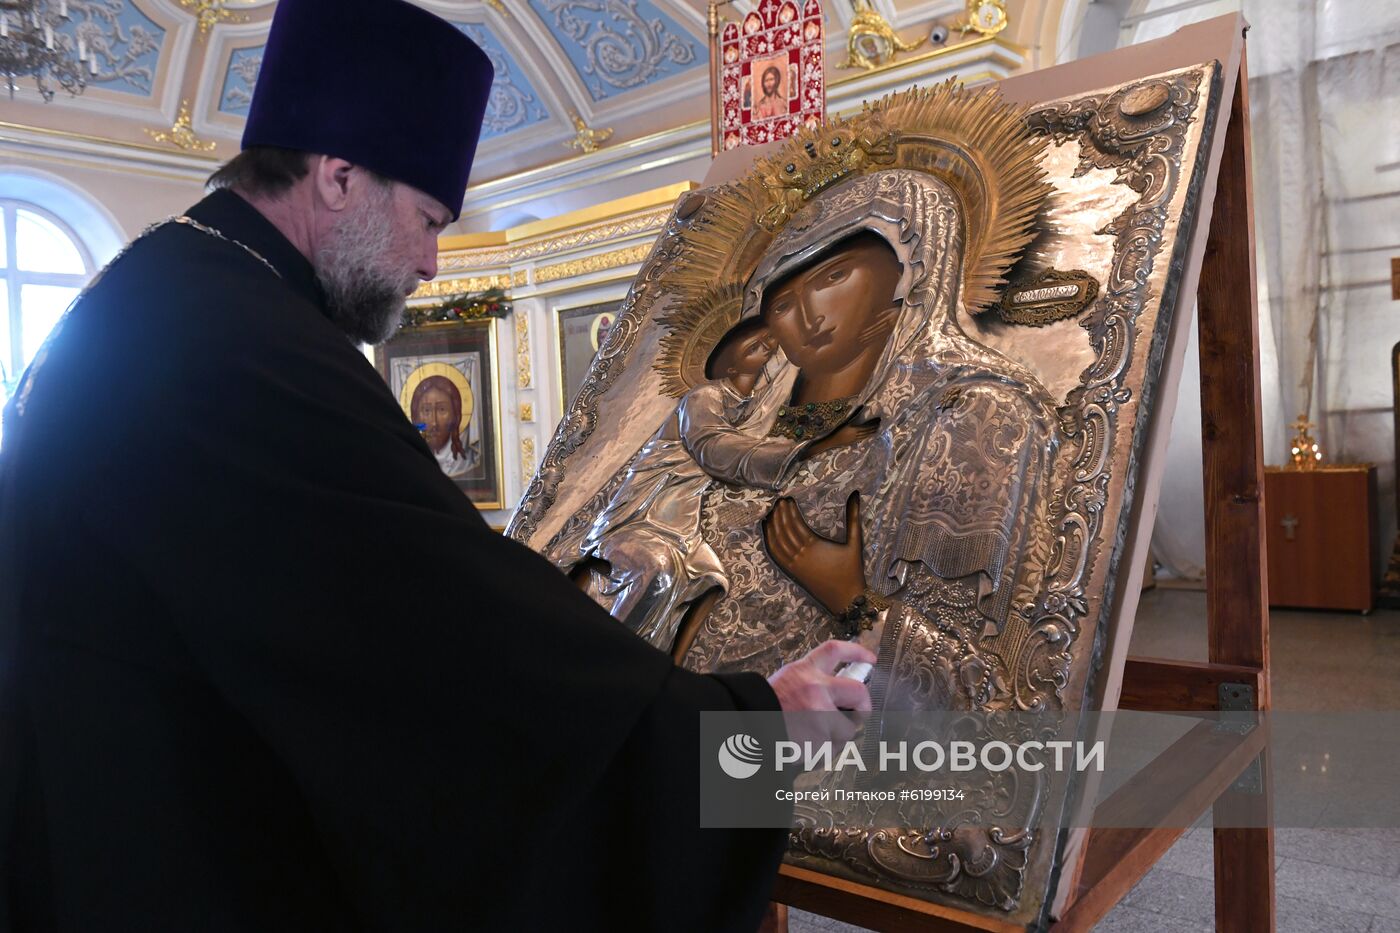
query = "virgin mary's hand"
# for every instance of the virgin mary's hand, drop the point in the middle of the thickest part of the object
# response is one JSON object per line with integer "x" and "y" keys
{"x": 846, "y": 434}
{"x": 833, "y": 572}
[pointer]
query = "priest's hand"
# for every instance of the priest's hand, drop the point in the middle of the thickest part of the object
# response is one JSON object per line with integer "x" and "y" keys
{"x": 810, "y": 693}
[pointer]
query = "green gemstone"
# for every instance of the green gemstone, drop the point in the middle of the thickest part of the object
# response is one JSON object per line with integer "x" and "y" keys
{"x": 798, "y": 432}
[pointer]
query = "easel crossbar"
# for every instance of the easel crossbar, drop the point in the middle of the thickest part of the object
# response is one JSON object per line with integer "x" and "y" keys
{"x": 1166, "y": 685}
{"x": 1145, "y": 816}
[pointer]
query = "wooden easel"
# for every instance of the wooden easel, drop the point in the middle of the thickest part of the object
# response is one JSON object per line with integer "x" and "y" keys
{"x": 1168, "y": 794}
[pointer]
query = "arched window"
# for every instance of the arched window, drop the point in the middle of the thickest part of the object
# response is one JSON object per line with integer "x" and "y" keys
{"x": 43, "y": 266}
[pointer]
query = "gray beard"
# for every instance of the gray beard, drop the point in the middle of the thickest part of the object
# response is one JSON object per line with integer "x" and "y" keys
{"x": 364, "y": 294}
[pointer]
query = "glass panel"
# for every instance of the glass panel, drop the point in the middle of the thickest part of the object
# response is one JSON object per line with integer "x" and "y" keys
{"x": 8, "y": 375}
{"x": 8, "y": 378}
{"x": 4, "y": 250}
{"x": 41, "y": 246}
{"x": 41, "y": 307}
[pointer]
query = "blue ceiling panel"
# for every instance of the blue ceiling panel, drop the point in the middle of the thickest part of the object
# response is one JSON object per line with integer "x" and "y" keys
{"x": 125, "y": 41}
{"x": 514, "y": 104}
{"x": 619, "y": 45}
{"x": 239, "y": 79}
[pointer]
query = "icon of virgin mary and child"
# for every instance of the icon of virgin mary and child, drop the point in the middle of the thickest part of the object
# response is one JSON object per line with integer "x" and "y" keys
{"x": 851, "y": 463}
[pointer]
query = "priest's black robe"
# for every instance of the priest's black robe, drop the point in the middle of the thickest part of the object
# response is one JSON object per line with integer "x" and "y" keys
{"x": 265, "y": 667}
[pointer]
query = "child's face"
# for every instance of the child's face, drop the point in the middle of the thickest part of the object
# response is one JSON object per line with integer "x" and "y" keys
{"x": 752, "y": 353}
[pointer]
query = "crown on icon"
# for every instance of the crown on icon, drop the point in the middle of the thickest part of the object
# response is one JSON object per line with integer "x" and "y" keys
{"x": 830, "y": 153}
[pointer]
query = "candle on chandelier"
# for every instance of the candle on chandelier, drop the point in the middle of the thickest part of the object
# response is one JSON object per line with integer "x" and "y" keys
{"x": 63, "y": 8}
{"x": 48, "y": 36}
{"x": 82, "y": 49}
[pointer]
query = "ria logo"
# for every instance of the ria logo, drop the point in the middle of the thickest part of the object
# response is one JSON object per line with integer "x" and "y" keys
{"x": 740, "y": 756}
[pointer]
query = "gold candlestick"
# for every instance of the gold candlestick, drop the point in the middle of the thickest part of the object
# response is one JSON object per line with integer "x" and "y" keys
{"x": 1305, "y": 450}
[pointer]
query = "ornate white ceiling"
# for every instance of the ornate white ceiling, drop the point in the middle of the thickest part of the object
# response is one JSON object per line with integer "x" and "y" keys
{"x": 632, "y": 66}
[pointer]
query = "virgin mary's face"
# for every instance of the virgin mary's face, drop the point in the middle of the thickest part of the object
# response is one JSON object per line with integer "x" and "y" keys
{"x": 818, "y": 313}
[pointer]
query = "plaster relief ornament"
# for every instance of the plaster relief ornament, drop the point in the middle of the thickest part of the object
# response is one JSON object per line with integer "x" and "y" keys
{"x": 816, "y": 416}
{"x": 871, "y": 41}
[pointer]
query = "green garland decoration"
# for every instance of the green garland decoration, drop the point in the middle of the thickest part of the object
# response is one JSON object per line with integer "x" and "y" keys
{"x": 467, "y": 306}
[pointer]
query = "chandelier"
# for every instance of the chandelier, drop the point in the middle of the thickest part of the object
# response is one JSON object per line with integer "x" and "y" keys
{"x": 32, "y": 46}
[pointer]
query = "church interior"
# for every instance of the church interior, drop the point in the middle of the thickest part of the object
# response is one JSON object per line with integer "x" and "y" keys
{"x": 609, "y": 120}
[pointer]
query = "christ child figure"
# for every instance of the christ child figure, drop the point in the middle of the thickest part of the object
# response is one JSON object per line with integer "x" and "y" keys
{"x": 644, "y": 558}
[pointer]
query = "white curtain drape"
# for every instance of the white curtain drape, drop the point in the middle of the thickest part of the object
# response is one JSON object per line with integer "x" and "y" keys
{"x": 1325, "y": 112}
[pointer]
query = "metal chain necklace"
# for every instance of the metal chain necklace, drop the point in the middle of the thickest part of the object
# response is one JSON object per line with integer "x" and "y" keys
{"x": 27, "y": 382}
{"x": 216, "y": 234}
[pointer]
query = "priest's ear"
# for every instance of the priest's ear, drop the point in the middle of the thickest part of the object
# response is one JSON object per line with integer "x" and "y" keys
{"x": 333, "y": 180}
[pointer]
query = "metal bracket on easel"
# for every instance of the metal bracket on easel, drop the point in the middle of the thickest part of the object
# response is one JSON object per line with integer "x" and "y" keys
{"x": 1251, "y": 779}
{"x": 1240, "y": 698}
{"x": 1235, "y": 698}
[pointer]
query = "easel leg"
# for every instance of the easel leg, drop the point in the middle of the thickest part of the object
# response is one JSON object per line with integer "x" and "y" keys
{"x": 1236, "y": 594}
{"x": 1244, "y": 855}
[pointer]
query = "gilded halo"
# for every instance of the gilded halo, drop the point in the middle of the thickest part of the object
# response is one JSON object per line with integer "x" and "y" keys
{"x": 973, "y": 140}
{"x": 453, "y": 375}
{"x": 694, "y": 328}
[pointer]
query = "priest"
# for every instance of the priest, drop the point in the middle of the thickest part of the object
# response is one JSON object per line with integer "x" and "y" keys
{"x": 234, "y": 694}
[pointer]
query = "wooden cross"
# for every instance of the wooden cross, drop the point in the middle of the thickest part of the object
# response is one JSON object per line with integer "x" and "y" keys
{"x": 1290, "y": 527}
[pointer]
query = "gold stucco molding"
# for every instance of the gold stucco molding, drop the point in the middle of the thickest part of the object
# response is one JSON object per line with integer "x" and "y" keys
{"x": 527, "y": 460}
{"x": 210, "y": 13}
{"x": 524, "y": 373}
{"x": 181, "y": 134}
{"x": 649, "y": 222}
{"x": 599, "y": 262}
{"x": 439, "y": 288}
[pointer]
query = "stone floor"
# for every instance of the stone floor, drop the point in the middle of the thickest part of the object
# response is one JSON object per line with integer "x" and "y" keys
{"x": 1338, "y": 881}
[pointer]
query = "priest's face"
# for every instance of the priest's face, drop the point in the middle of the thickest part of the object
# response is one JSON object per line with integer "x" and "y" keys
{"x": 380, "y": 247}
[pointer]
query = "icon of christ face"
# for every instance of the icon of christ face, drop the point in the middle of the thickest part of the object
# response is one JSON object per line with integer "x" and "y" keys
{"x": 769, "y": 93}
{"x": 438, "y": 405}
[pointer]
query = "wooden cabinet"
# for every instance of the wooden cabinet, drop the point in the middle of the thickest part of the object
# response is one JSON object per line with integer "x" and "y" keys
{"x": 1321, "y": 536}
